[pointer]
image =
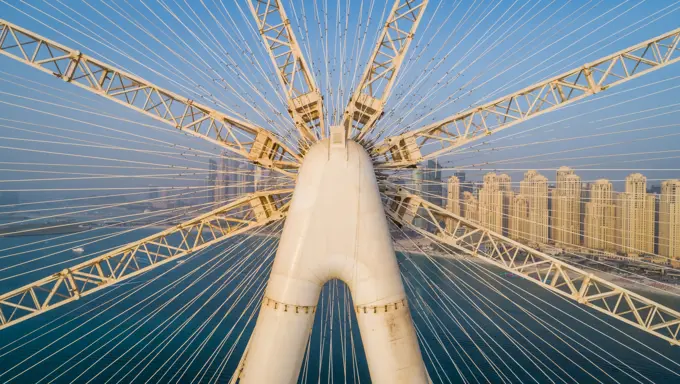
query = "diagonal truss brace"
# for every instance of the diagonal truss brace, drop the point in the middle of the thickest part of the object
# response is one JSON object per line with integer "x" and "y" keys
{"x": 465, "y": 127}
{"x": 368, "y": 101}
{"x": 249, "y": 212}
{"x": 548, "y": 272}
{"x": 247, "y": 140}
{"x": 305, "y": 103}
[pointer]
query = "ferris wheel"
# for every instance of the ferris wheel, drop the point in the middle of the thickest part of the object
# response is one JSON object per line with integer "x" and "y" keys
{"x": 330, "y": 179}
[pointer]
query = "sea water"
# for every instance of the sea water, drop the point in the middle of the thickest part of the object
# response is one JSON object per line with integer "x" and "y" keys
{"x": 197, "y": 329}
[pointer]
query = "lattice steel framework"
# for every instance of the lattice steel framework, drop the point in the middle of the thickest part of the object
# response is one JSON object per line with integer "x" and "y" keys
{"x": 368, "y": 101}
{"x": 141, "y": 256}
{"x": 261, "y": 147}
{"x": 462, "y": 128}
{"x": 548, "y": 272}
{"x": 305, "y": 104}
{"x": 245, "y": 139}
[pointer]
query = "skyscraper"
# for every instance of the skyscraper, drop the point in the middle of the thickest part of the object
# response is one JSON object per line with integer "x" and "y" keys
{"x": 535, "y": 188}
{"x": 227, "y": 184}
{"x": 244, "y": 180}
{"x": 518, "y": 225}
{"x": 417, "y": 189}
{"x": 154, "y": 192}
{"x": 491, "y": 203}
{"x": 212, "y": 179}
{"x": 470, "y": 207}
{"x": 635, "y": 211}
{"x": 258, "y": 179}
{"x": 600, "y": 217}
{"x": 464, "y": 186}
{"x": 432, "y": 183}
{"x": 452, "y": 200}
{"x": 505, "y": 184}
{"x": 566, "y": 208}
{"x": 669, "y": 220}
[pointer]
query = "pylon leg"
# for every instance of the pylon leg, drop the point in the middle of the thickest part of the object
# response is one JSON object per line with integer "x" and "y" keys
{"x": 335, "y": 229}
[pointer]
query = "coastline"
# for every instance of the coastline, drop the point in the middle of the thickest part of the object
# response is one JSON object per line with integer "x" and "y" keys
{"x": 630, "y": 283}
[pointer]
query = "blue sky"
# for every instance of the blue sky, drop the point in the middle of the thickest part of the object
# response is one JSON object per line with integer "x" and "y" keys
{"x": 467, "y": 51}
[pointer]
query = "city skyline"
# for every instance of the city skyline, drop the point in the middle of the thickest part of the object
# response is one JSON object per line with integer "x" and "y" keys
{"x": 569, "y": 214}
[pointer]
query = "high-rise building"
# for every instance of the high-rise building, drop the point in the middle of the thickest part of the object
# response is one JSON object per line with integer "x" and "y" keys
{"x": 505, "y": 185}
{"x": 417, "y": 189}
{"x": 227, "y": 184}
{"x": 562, "y": 173}
{"x": 669, "y": 220}
{"x": 470, "y": 207}
{"x": 504, "y": 182}
{"x": 212, "y": 179}
{"x": 244, "y": 180}
{"x": 635, "y": 211}
{"x": 452, "y": 200}
{"x": 566, "y": 209}
{"x": 535, "y": 188}
{"x": 600, "y": 217}
{"x": 518, "y": 225}
{"x": 258, "y": 179}
{"x": 154, "y": 192}
{"x": 491, "y": 204}
{"x": 432, "y": 183}
{"x": 464, "y": 185}
{"x": 655, "y": 189}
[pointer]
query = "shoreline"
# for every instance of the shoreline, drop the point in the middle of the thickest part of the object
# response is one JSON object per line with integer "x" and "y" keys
{"x": 630, "y": 283}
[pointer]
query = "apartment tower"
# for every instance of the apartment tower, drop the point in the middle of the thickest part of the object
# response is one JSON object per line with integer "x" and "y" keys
{"x": 491, "y": 203}
{"x": 669, "y": 220}
{"x": 600, "y": 217}
{"x": 535, "y": 188}
{"x": 635, "y": 211}
{"x": 566, "y": 209}
{"x": 452, "y": 200}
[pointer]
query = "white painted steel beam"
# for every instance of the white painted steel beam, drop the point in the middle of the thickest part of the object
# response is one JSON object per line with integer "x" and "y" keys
{"x": 544, "y": 270}
{"x": 305, "y": 104}
{"x": 465, "y": 127}
{"x": 253, "y": 143}
{"x": 141, "y": 256}
{"x": 368, "y": 101}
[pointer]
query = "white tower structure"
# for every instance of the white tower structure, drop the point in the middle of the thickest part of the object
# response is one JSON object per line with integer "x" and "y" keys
{"x": 336, "y": 229}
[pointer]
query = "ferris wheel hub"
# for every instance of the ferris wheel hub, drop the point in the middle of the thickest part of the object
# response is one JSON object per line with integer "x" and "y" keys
{"x": 336, "y": 228}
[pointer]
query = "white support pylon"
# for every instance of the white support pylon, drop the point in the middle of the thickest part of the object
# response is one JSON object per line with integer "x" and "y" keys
{"x": 336, "y": 229}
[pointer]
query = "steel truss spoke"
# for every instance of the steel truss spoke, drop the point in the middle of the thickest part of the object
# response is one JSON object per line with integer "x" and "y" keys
{"x": 546, "y": 96}
{"x": 252, "y": 142}
{"x": 548, "y": 272}
{"x": 305, "y": 103}
{"x": 254, "y": 210}
{"x": 368, "y": 101}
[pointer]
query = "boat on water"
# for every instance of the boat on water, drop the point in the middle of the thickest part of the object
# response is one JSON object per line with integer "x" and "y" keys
{"x": 78, "y": 251}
